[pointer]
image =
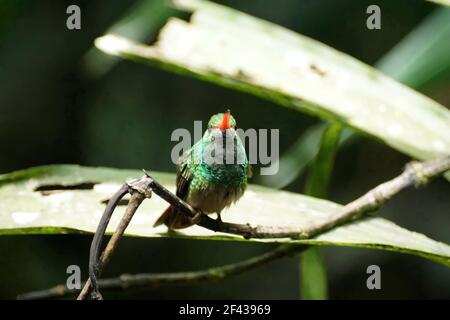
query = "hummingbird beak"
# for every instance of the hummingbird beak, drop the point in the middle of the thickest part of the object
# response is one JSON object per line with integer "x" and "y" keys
{"x": 225, "y": 121}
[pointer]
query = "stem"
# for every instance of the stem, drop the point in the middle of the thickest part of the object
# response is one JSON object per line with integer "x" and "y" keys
{"x": 97, "y": 240}
{"x": 313, "y": 285}
{"x": 151, "y": 280}
{"x": 322, "y": 168}
{"x": 313, "y": 275}
{"x": 91, "y": 283}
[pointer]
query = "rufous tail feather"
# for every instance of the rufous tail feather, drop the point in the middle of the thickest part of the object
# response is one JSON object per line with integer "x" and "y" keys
{"x": 162, "y": 218}
{"x": 173, "y": 219}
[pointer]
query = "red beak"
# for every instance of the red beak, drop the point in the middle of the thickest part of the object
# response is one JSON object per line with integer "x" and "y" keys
{"x": 225, "y": 121}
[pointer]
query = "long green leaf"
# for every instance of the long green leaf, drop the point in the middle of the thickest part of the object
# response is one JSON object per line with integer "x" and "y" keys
{"x": 417, "y": 68}
{"x": 242, "y": 52}
{"x": 442, "y": 2}
{"x": 294, "y": 161}
{"x": 138, "y": 23}
{"x": 423, "y": 55}
{"x": 70, "y": 198}
{"x": 322, "y": 168}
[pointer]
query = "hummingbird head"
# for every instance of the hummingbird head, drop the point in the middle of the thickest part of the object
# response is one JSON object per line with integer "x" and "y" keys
{"x": 220, "y": 140}
{"x": 222, "y": 121}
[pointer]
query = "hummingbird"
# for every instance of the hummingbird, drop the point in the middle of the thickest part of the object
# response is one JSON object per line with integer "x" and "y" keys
{"x": 212, "y": 174}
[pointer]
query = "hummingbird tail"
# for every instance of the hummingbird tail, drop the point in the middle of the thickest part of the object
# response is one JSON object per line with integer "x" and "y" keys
{"x": 173, "y": 219}
{"x": 163, "y": 217}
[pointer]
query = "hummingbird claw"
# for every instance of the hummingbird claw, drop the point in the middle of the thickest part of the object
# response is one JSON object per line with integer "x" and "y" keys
{"x": 196, "y": 219}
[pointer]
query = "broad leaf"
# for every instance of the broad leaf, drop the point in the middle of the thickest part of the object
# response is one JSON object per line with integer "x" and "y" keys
{"x": 236, "y": 50}
{"x": 70, "y": 198}
{"x": 441, "y": 2}
{"x": 425, "y": 67}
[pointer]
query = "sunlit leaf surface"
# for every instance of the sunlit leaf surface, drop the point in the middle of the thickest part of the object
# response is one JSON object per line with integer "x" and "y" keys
{"x": 70, "y": 198}
{"x": 233, "y": 49}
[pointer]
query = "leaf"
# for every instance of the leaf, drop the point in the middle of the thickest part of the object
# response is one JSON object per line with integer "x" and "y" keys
{"x": 71, "y": 198}
{"x": 426, "y": 67}
{"x": 238, "y": 51}
{"x": 423, "y": 56}
{"x": 139, "y": 22}
{"x": 322, "y": 168}
{"x": 441, "y": 2}
{"x": 294, "y": 161}
{"x": 313, "y": 270}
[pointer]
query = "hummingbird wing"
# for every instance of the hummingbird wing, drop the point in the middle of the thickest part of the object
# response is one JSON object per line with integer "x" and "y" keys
{"x": 187, "y": 165}
{"x": 183, "y": 181}
{"x": 185, "y": 174}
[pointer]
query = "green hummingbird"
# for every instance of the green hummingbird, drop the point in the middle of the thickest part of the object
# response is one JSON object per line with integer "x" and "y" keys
{"x": 212, "y": 174}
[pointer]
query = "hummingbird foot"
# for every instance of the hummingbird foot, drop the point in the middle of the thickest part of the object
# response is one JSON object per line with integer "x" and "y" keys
{"x": 219, "y": 218}
{"x": 196, "y": 218}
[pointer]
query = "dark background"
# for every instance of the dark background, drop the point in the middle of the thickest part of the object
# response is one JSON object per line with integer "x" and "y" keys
{"x": 54, "y": 108}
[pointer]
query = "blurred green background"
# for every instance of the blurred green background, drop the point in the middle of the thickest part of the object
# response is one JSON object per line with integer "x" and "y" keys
{"x": 63, "y": 102}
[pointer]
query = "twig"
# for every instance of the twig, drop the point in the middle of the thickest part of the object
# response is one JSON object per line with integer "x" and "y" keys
{"x": 415, "y": 173}
{"x": 156, "y": 279}
{"x": 98, "y": 236}
{"x": 94, "y": 267}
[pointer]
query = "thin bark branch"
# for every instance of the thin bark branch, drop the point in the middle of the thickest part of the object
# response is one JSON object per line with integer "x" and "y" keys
{"x": 415, "y": 174}
{"x": 151, "y": 280}
{"x": 96, "y": 267}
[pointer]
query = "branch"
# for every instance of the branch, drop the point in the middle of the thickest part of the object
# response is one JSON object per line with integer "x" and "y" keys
{"x": 415, "y": 173}
{"x": 158, "y": 279}
{"x": 98, "y": 236}
{"x": 94, "y": 266}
